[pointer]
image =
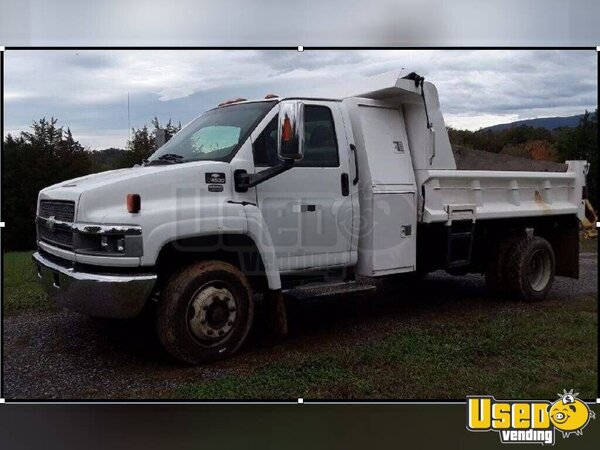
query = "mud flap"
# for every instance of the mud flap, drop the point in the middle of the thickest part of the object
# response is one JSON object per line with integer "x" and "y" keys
{"x": 276, "y": 313}
{"x": 565, "y": 242}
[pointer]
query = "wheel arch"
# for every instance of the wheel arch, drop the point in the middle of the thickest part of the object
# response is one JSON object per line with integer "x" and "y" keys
{"x": 561, "y": 231}
{"x": 238, "y": 249}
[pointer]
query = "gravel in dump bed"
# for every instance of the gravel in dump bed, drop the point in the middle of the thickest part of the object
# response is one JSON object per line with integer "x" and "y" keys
{"x": 470, "y": 159}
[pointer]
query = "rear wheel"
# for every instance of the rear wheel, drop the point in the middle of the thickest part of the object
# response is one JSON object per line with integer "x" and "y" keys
{"x": 495, "y": 273}
{"x": 530, "y": 267}
{"x": 205, "y": 312}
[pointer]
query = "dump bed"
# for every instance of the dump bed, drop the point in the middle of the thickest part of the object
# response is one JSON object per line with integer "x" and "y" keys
{"x": 409, "y": 175}
{"x": 400, "y": 130}
{"x": 481, "y": 194}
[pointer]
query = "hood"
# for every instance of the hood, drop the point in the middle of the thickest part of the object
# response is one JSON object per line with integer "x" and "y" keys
{"x": 101, "y": 197}
{"x": 96, "y": 180}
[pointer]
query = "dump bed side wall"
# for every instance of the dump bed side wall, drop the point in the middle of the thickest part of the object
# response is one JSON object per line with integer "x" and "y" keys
{"x": 497, "y": 195}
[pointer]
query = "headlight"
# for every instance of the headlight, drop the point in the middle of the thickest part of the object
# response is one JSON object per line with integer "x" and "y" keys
{"x": 107, "y": 240}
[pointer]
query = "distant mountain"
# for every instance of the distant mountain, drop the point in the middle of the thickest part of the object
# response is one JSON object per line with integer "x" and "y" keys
{"x": 550, "y": 123}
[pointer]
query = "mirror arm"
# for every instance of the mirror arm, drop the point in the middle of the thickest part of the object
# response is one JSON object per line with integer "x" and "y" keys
{"x": 244, "y": 180}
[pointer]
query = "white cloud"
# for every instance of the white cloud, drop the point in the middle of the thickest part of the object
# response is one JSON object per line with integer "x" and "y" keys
{"x": 462, "y": 122}
{"x": 88, "y": 90}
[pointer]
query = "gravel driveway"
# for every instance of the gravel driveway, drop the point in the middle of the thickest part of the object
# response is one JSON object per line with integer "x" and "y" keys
{"x": 61, "y": 354}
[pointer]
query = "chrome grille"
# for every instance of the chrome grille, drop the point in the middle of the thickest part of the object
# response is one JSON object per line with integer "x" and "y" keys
{"x": 56, "y": 230}
{"x": 61, "y": 238}
{"x": 60, "y": 209}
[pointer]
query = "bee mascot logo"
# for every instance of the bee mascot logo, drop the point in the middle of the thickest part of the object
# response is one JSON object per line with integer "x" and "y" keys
{"x": 529, "y": 421}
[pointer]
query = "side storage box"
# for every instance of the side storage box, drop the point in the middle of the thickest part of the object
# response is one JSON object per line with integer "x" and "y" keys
{"x": 394, "y": 232}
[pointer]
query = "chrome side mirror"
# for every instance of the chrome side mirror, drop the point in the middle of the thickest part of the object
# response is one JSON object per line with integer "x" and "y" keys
{"x": 290, "y": 130}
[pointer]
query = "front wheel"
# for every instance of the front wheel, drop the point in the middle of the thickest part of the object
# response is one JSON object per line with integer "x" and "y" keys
{"x": 530, "y": 266}
{"x": 205, "y": 312}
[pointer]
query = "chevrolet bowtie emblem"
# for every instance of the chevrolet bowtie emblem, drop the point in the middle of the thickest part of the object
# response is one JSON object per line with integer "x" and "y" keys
{"x": 50, "y": 222}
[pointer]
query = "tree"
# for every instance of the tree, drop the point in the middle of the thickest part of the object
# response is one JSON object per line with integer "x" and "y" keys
{"x": 143, "y": 142}
{"x": 169, "y": 128}
{"x": 32, "y": 161}
{"x": 541, "y": 150}
{"x": 581, "y": 142}
{"x": 139, "y": 147}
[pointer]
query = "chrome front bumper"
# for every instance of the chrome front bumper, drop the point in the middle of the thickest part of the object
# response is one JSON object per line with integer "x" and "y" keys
{"x": 100, "y": 295}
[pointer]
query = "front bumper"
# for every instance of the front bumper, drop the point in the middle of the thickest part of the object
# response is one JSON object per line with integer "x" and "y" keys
{"x": 118, "y": 296}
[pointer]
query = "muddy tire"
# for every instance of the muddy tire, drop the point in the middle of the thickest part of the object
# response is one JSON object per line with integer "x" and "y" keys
{"x": 530, "y": 266}
{"x": 205, "y": 312}
{"x": 495, "y": 273}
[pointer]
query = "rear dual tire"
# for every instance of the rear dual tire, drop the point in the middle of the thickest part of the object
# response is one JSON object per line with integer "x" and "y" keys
{"x": 523, "y": 267}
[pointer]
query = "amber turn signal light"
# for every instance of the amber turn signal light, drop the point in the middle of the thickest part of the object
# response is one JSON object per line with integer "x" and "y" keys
{"x": 134, "y": 203}
{"x": 286, "y": 133}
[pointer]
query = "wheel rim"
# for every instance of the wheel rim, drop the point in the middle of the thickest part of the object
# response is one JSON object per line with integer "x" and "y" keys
{"x": 539, "y": 270}
{"x": 212, "y": 312}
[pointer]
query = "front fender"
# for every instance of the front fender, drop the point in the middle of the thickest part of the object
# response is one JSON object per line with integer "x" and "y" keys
{"x": 228, "y": 218}
{"x": 258, "y": 231}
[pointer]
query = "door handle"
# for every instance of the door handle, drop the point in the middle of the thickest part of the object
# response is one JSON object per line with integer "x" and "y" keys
{"x": 345, "y": 185}
{"x": 353, "y": 148}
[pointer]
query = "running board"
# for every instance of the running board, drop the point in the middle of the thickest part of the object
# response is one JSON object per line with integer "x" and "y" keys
{"x": 318, "y": 290}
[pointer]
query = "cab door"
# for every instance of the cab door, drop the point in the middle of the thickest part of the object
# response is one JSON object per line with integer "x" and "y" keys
{"x": 308, "y": 209}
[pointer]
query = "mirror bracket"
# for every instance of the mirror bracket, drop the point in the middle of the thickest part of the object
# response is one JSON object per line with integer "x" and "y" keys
{"x": 245, "y": 180}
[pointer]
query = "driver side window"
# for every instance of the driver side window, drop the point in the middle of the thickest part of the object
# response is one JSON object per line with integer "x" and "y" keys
{"x": 320, "y": 142}
{"x": 265, "y": 146}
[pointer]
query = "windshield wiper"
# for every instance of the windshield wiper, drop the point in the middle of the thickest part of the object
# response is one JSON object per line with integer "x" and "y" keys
{"x": 170, "y": 157}
{"x": 167, "y": 158}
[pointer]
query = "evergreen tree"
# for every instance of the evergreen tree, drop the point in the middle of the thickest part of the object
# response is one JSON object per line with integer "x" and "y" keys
{"x": 143, "y": 142}
{"x": 44, "y": 156}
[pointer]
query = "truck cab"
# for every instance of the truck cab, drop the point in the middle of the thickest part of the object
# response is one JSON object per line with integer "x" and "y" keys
{"x": 255, "y": 197}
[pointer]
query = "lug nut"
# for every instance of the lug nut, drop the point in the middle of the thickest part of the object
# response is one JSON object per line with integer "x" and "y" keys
{"x": 230, "y": 323}
{"x": 221, "y": 332}
{"x": 203, "y": 321}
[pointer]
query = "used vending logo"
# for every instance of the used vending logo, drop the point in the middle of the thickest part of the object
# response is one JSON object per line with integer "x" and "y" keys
{"x": 528, "y": 421}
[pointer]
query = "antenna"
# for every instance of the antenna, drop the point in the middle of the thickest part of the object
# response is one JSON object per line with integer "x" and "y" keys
{"x": 128, "y": 118}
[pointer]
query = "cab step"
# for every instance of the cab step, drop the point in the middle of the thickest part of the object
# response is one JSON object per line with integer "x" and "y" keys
{"x": 318, "y": 290}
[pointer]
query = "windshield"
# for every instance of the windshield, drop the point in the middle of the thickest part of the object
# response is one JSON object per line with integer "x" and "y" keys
{"x": 215, "y": 135}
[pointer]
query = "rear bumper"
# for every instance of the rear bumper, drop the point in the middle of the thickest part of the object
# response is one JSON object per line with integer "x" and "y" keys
{"x": 99, "y": 295}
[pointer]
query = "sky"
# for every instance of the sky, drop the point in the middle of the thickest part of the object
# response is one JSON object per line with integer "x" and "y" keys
{"x": 373, "y": 23}
{"x": 87, "y": 90}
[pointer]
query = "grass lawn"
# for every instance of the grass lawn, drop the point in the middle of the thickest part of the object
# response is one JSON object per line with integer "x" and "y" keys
{"x": 467, "y": 346}
{"x": 588, "y": 245}
{"x": 525, "y": 352}
{"x": 21, "y": 289}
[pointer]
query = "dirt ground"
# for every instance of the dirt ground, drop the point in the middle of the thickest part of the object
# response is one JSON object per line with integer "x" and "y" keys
{"x": 62, "y": 355}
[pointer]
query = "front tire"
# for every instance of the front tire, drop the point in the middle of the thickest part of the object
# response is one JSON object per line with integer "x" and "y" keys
{"x": 205, "y": 312}
{"x": 530, "y": 266}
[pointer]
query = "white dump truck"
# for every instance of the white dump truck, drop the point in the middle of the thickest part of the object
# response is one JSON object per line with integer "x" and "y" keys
{"x": 262, "y": 196}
